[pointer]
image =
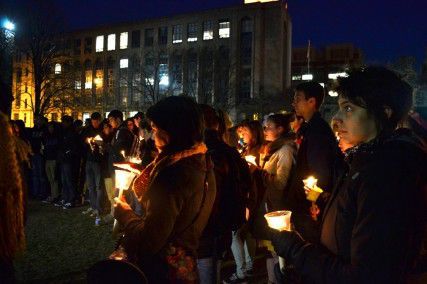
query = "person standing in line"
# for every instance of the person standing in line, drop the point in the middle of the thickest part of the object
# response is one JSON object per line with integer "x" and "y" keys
{"x": 318, "y": 155}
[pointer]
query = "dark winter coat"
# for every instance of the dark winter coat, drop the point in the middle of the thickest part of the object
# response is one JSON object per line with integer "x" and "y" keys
{"x": 233, "y": 184}
{"x": 122, "y": 141}
{"x": 317, "y": 156}
{"x": 89, "y": 132}
{"x": 373, "y": 225}
{"x": 173, "y": 199}
{"x": 70, "y": 150}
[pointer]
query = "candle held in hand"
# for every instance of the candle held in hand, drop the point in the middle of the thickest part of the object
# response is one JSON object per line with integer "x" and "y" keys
{"x": 251, "y": 159}
{"x": 279, "y": 220}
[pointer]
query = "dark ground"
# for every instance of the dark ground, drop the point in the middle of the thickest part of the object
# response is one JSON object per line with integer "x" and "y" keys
{"x": 63, "y": 244}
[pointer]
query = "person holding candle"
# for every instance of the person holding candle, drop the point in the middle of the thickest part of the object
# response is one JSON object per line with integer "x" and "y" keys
{"x": 93, "y": 164}
{"x": 243, "y": 244}
{"x": 318, "y": 156}
{"x": 176, "y": 190}
{"x": 374, "y": 223}
{"x": 272, "y": 176}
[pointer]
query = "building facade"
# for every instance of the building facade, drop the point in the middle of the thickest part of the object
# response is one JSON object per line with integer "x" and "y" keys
{"x": 226, "y": 57}
{"x": 324, "y": 65}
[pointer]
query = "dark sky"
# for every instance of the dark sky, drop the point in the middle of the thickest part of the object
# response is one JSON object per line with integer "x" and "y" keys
{"x": 384, "y": 30}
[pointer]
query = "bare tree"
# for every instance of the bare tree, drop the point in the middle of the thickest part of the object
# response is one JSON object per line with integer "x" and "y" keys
{"x": 40, "y": 40}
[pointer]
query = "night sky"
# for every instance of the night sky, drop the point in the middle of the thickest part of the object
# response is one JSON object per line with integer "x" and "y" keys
{"x": 384, "y": 30}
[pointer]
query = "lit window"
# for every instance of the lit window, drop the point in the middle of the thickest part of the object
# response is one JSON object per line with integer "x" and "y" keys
{"x": 334, "y": 76}
{"x": 207, "y": 30}
{"x": 124, "y": 63}
{"x": 192, "y": 32}
{"x": 124, "y": 40}
{"x": 57, "y": 68}
{"x": 111, "y": 41}
{"x": 99, "y": 43}
{"x": 99, "y": 79}
{"x": 224, "y": 29}
{"x": 88, "y": 79}
{"x": 177, "y": 34}
{"x": 78, "y": 85}
{"x": 307, "y": 77}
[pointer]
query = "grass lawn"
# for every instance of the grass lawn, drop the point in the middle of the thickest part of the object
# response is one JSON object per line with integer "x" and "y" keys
{"x": 61, "y": 245}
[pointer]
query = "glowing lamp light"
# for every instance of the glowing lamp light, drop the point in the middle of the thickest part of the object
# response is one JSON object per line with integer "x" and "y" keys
{"x": 279, "y": 220}
{"x": 8, "y": 25}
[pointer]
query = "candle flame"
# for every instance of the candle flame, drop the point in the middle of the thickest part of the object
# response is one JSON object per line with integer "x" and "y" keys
{"x": 251, "y": 159}
{"x": 310, "y": 182}
{"x": 97, "y": 138}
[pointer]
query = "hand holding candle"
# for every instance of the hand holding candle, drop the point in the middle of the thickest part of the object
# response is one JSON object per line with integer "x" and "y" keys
{"x": 251, "y": 160}
{"x": 312, "y": 191}
{"x": 279, "y": 220}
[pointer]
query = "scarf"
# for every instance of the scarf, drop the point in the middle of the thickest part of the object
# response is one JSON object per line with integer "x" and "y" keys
{"x": 144, "y": 180}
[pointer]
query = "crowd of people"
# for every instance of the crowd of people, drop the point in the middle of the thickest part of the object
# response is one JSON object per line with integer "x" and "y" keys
{"x": 204, "y": 185}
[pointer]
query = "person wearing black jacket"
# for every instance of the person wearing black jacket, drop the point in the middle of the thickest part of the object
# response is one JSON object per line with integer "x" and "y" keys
{"x": 374, "y": 223}
{"x": 317, "y": 156}
{"x": 122, "y": 141}
{"x": 51, "y": 145}
{"x": 93, "y": 163}
{"x": 69, "y": 158}
{"x": 232, "y": 185}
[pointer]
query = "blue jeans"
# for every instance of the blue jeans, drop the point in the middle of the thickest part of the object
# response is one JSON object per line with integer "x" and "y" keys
{"x": 69, "y": 182}
{"x": 206, "y": 269}
{"x": 243, "y": 247}
{"x": 93, "y": 179}
{"x": 38, "y": 177}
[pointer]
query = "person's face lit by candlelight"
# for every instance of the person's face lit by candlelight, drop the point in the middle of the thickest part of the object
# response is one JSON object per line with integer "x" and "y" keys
{"x": 354, "y": 124}
{"x": 161, "y": 137}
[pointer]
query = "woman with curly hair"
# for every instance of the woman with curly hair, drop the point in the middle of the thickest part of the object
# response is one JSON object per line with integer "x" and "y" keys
{"x": 12, "y": 237}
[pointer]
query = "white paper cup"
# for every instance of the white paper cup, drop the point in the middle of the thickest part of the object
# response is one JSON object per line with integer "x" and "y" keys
{"x": 279, "y": 220}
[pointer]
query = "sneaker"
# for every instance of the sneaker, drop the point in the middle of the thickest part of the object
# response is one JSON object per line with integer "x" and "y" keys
{"x": 67, "y": 206}
{"x": 87, "y": 211}
{"x": 94, "y": 213}
{"x": 59, "y": 203}
{"x": 234, "y": 279}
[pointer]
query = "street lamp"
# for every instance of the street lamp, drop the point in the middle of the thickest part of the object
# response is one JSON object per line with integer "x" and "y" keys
{"x": 8, "y": 25}
{"x": 9, "y": 28}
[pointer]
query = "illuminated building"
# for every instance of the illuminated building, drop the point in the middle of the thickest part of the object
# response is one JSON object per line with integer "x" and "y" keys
{"x": 225, "y": 57}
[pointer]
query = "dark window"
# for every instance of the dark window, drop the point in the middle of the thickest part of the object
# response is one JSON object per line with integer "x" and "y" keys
{"x": 149, "y": 37}
{"x": 77, "y": 46}
{"x": 136, "y": 39}
{"x": 177, "y": 34}
{"x": 192, "y": 32}
{"x": 245, "y": 88}
{"x": 163, "y": 35}
{"x": 18, "y": 75}
{"x": 88, "y": 45}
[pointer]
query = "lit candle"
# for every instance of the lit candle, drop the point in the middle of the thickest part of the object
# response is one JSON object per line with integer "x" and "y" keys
{"x": 123, "y": 153}
{"x": 251, "y": 159}
{"x": 314, "y": 191}
{"x": 279, "y": 220}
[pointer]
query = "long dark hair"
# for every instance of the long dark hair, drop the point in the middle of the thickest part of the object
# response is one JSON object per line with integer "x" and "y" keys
{"x": 283, "y": 120}
{"x": 181, "y": 118}
{"x": 257, "y": 133}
